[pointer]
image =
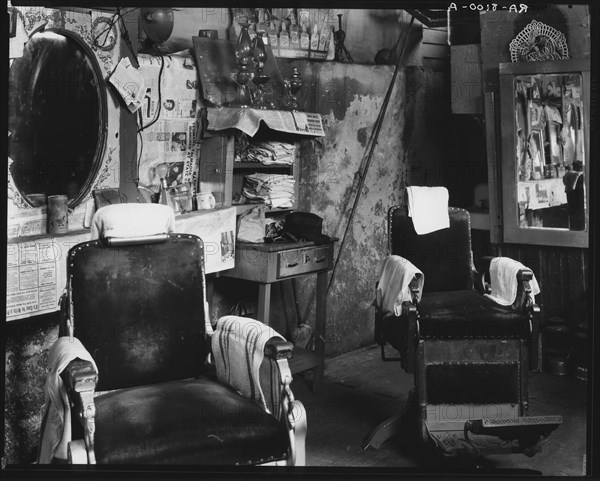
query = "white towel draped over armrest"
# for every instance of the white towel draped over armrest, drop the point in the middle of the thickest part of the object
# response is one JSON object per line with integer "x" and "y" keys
{"x": 238, "y": 348}
{"x": 396, "y": 275}
{"x": 504, "y": 283}
{"x": 428, "y": 208}
{"x": 56, "y": 424}
{"x": 132, "y": 220}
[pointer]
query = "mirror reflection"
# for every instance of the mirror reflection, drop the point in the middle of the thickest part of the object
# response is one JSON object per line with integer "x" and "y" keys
{"x": 550, "y": 152}
{"x": 56, "y": 113}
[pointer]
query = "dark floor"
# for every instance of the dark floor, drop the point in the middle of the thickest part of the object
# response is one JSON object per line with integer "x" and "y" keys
{"x": 361, "y": 390}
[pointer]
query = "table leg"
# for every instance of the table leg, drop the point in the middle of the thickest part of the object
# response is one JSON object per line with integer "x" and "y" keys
{"x": 320, "y": 320}
{"x": 264, "y": 303}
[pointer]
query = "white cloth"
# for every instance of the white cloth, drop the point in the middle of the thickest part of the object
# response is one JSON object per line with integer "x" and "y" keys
{"x": 271, "y": 152}
{"x": 238, "y": 346}
{"x": 56, "y": 424}
{"x": 503, "y": 281}
{"x": 276, "y": 190}
{"x": 132, "y": 220}
{"x": 428, "y": 208}
{"x": 394, "y": 283}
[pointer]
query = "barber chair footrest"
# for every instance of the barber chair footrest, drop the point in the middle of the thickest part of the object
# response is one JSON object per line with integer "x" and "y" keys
{"x": 492, "y": 436}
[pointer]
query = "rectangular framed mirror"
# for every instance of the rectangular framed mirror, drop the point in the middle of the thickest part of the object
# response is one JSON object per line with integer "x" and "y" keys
{"x": 545, "y": 152}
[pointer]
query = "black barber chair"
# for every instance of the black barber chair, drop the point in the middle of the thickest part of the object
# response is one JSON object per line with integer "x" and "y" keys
{"x": 470, "y": 356}
{"x": 138, "y": 306}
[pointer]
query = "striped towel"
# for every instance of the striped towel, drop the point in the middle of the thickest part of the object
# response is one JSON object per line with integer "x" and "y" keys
{"x": 238, "y": 347}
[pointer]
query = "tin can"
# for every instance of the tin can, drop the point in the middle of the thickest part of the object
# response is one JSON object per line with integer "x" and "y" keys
{"x": 58, "y": 220}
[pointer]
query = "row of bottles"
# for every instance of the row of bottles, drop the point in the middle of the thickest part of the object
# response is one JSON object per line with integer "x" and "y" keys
{"x": 305, "y": 29}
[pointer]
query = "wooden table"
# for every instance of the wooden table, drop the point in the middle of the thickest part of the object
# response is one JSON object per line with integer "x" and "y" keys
{"x": 267, "y": 264}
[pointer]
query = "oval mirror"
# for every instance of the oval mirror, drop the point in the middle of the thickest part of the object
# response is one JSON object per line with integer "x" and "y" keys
{"x": 56, "y": 117}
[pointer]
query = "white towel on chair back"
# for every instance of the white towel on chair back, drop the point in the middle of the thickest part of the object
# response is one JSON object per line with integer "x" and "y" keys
{"x": 394, "y": 283}
{"x": 503, "y": 281}
{"x": 238, "y": 348}
{"x": 132, "y": 220}
{"x": 428, "y": 208}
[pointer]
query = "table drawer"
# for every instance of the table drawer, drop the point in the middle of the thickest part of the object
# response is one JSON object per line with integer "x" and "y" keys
{"x": 301, "y": 261}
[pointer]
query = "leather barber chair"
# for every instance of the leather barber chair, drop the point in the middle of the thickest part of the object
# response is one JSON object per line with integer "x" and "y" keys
{"x": 469, "y": 355}
{"x": 138, "y": 306}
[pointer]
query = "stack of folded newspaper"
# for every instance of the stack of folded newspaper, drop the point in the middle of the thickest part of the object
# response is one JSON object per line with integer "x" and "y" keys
{"x": 271, "y": 152}
{"x": 275, "y": 190}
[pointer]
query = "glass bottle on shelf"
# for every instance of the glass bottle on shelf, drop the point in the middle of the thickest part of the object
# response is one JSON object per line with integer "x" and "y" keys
{"x": 284, "y": 36}
{"x": 163, "y": 196}
{"x": 294, "y": 33}
{"x": 262, "y": 26}
{"x": 304, "y": 38}
{"x": 273, "y": 37}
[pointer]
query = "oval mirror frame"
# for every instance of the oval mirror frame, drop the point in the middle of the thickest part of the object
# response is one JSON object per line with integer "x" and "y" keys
{"x": 102, "y": 113}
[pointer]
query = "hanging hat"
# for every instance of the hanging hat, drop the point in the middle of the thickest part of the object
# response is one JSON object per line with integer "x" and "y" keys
{"x": 306, "y": 225}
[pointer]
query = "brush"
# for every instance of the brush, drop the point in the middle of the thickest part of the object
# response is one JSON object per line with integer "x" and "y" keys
{"x": 302, "y": 333}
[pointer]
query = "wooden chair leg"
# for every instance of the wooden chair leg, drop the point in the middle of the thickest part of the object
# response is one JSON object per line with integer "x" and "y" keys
{"x": 298, "y": 435}
{"x": 77, "y": 452}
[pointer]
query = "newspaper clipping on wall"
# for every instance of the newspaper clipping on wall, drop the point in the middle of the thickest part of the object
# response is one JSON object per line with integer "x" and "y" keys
{"x": 167, "y": 146}
{"x": 216, "y": 228}
{"x": 36, "y": 274}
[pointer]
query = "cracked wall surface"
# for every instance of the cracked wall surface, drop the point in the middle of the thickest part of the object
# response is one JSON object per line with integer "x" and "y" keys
{"x": 349, "y": 98}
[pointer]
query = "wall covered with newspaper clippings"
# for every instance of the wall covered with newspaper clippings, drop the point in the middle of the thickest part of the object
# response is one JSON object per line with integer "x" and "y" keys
{"x": 35, "y": 260}
{"x": 167, "y": 144}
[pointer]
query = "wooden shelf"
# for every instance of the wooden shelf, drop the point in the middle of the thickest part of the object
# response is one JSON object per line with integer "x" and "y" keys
{"x": 222, "y": 175}
{"x": 30, "y": 238}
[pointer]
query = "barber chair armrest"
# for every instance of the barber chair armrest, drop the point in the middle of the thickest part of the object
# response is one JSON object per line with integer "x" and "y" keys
{"x": 81, "y": 378}
{"x": 482, "y": 275}
{"x": 411, "y": 316}
{"x": 524, "y": 276}
{"x": 415, "y": 290}
{"x": 290, "y": 410}
{"x": 277, "y": 348}
{"x": 524, "y": 302}
{"x": 482, "y": 278}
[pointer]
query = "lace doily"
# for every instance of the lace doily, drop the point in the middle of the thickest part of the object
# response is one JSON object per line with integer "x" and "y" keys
{"x": 538, "y": 42}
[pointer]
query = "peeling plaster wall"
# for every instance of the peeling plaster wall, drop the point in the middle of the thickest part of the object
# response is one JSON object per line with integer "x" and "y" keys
{"x": 412, "y": 149}
{"x": 349, "y": 98}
